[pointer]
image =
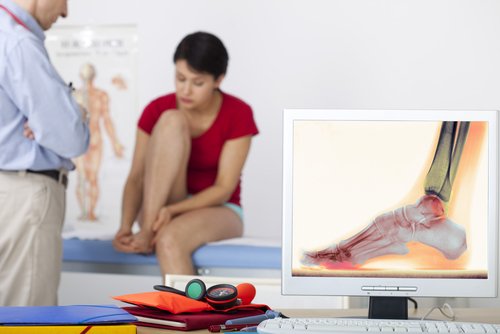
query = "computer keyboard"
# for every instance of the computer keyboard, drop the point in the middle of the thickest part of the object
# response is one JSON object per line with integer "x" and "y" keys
{"x": 357, "y": 325}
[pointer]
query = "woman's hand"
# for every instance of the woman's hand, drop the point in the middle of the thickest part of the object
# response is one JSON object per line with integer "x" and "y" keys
{"x": 123, "y": 239}
{"x": 164, "y": 217}
{"x": 127, "y": 242}
{"x": 142, "y": 242}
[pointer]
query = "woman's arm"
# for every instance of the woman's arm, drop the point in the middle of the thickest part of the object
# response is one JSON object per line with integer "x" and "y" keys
{"x": 231, "y": 162}
{"x": 132, "y": 193}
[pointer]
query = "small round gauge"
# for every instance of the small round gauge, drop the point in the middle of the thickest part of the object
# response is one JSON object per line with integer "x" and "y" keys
{"x": 222, "y": 295}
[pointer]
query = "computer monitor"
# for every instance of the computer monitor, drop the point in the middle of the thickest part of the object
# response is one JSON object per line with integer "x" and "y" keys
{"x": 390, "y": 204}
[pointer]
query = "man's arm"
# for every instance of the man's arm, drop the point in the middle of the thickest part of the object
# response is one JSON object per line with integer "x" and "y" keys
{"x": 45, "y": 100}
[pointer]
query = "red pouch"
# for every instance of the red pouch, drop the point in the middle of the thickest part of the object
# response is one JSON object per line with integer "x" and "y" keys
{"x": 176, "y": 304}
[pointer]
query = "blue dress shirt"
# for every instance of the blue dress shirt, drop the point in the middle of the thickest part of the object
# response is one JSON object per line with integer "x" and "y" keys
{"x": 32, "y": 91}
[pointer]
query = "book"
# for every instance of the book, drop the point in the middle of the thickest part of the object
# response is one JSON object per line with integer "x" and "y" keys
{"x": 153, "y": 317}
{"x": 82, "y": 329}
{"x": 64, "y": 315}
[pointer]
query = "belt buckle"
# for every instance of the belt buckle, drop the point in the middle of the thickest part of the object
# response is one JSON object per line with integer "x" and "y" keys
{"x": 63, "y": 177}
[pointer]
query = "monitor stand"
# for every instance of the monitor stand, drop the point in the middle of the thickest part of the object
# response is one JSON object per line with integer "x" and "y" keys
{"x": 388, "y": 308}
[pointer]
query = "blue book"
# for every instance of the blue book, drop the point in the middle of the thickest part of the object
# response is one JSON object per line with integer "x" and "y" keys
{"x": 64, "y": 315}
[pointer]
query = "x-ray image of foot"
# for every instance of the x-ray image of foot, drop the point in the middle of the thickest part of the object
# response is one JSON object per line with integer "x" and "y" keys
{"x": 424, "y": 222}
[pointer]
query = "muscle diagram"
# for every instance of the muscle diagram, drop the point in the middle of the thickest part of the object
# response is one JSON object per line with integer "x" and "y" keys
{"x": 96, "y": 101}
{"x": 424, "y": 221}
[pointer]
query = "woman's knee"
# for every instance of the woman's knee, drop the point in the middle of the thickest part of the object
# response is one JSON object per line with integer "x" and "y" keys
{"x": 172, "y": 119}
{"x": 171, "y": 241}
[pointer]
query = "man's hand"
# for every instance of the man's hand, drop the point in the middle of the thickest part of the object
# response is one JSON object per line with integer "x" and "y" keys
{"x": 85, "y": 113}
{"x": 78, "y": 96}
{"x": 27, "y": 132}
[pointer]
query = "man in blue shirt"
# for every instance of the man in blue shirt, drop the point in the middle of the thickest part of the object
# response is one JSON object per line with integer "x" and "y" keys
{"x": 41, "y": 129}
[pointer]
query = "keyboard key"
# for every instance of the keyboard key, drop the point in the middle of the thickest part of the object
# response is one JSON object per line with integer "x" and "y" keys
{"x": 362, "y": 326}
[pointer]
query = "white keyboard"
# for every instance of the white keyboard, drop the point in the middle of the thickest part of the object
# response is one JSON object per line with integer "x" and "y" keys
{"x": 356, "y": 325}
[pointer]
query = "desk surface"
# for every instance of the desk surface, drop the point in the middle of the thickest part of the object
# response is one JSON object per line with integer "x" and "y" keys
{"x": 487, "y": 315}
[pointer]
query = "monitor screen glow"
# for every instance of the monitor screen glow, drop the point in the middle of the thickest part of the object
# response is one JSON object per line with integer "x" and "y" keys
{"x": 390, "y": 203}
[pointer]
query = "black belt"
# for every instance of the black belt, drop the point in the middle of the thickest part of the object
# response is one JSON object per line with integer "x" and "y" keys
{"x": 59, "y": 176}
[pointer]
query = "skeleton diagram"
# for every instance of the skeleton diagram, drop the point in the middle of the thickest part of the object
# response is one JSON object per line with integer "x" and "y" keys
{"x": 424, "y": 222}
{"x": 96, "y": 101}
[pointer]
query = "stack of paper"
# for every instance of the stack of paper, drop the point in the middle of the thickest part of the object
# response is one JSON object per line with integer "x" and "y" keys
{"x": 66, "y": 319}
{"x": 162, "y": 309}
{"x": 152, "y": 317}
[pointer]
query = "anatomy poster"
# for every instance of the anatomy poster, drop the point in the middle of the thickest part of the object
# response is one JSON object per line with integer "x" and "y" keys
{"x": 100, "y": 62}
{"x": 390, "y": 198}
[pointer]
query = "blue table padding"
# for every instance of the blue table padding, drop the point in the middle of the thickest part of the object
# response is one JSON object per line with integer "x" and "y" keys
{"x": 101, "y": 251}
{"x": 238, "y": 256}
{"x": 222, "y": 256}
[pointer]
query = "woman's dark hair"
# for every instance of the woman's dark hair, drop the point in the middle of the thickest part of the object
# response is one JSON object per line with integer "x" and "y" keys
{"x": 203, "y": 52}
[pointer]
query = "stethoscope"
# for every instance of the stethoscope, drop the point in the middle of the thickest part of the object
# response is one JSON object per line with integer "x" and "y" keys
{"x": 18, "y": 20}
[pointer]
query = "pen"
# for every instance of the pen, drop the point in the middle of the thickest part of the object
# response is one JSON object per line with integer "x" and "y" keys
{"x": 228, "y": 328}
{"x": 249, "y": 329}
{"x": 270, "y": 314}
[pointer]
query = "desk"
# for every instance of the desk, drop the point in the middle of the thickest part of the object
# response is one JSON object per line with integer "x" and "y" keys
{"x": 487, "y": 315}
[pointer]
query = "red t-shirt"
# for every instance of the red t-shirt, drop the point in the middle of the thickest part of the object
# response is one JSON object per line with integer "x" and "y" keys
{"x": 234, "y": 120}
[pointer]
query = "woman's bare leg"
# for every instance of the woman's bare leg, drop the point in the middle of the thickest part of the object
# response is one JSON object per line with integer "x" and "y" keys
{"x": 166, "y": 164}
{"x": 177, "y": 240}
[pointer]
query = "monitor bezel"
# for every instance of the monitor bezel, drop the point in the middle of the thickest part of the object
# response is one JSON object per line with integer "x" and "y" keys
{"x": 352, "y": 286}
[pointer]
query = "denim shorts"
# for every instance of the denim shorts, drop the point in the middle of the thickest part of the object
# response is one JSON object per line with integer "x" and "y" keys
{"x": 236, "y": 209}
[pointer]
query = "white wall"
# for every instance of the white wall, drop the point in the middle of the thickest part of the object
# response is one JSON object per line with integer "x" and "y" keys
{"x": 318, "y": 53}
